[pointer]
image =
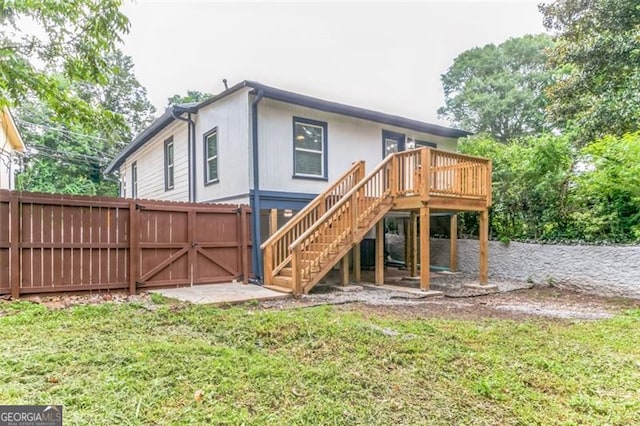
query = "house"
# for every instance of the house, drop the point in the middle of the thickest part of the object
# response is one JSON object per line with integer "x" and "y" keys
{"x": 11, "y": 147}
{"x": 273, "y": 149}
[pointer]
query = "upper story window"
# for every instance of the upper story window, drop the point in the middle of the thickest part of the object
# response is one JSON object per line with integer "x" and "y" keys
{"x": 134, "y": 180}
{"x": 211, "y": 156}
{"x": 309, "y": 148}
{"x": 420, "y": 144}
{"x": 169, "y": 168}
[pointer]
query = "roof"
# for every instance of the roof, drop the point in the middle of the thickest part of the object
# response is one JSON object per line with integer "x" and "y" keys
{"x": 284, "y": 96}
{"x": 9, "y": 126}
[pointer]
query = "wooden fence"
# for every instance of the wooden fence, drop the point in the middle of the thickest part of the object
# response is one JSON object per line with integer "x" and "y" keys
{"x": 60, "y": 243}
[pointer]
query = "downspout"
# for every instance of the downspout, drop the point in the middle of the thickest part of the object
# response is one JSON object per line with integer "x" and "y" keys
{"x": 191, "y": 136}
{"x": 255, "y": 214}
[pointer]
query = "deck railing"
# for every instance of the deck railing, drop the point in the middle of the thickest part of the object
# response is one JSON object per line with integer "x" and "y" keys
{"x": 458, "y": 175}
{"x": 276, "y": 248}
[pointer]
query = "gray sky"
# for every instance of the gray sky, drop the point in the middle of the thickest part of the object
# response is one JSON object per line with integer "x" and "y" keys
{"x": 382, "y": 56}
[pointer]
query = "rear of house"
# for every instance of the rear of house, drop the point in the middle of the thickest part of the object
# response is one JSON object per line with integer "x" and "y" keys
{"x": 263, "y": 146}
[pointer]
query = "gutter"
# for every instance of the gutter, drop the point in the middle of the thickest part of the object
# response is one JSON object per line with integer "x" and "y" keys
{"x": 255, "y": 214}
{"x": 191, "y": 148}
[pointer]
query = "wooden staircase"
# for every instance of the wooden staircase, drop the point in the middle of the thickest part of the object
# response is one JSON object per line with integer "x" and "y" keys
{"x": 303, "y": 251}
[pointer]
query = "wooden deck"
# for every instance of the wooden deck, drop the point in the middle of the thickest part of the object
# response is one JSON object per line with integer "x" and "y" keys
{"x": 421, "y": 181}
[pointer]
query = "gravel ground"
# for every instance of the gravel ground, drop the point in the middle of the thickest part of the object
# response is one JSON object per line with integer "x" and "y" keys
{"x": 511, "y": 300}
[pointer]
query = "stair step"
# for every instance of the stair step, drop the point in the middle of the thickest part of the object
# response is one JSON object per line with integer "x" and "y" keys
{"x": 279, "y": 289}
{"x": 282, "y": 281}
{"x": 286, "y": 272}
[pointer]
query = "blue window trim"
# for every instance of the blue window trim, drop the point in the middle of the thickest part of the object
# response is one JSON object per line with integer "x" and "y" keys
{"x": 205, "y": 152}
{"x": 168, "y": 187}
{"x": 134, "y": 179}
{"x": 402, "y": 141}
{"x": 325, "y": 153}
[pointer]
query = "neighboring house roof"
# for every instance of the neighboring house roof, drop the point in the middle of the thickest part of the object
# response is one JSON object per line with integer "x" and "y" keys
{"x": 10, "y": 129}
{"x": 284, "y": 96}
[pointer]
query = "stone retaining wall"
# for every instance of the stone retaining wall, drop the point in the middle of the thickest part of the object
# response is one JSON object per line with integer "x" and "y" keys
{"x": 605, "y": 270}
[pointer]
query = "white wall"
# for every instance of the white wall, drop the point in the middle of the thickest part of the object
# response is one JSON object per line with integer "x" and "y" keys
{"x": 7, "y": 172}
{"x": 348, "y": 139}
{"x": 150, "y": 161}
{"x": 231, "y": 116}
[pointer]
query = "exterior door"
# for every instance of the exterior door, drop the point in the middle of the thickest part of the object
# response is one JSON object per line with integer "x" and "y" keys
{"x": 392, "y": 142}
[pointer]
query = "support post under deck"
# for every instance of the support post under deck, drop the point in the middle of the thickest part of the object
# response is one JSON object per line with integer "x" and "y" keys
{"x": 380, "y": 252}
{"x": 425, "y": 257}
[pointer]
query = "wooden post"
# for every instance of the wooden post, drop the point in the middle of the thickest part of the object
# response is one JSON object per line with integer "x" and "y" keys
{"x": 413, "y": 241}
{"x": 134, "y": 251}
{"x": 380, "y": 252}
{"x": 295, "y": 271}
{"x": 393, "y": 175}
{"x": 268, "y": 264}
{"x": 273, "y": 221}
{"x": 425, "y": 171}
{"x": 407, "y": 254}
{"x": 484, "y": 246}
{"x": 192, "y": 256}
{"x": 14, "y": 244}
{"x": 357, "y": 266}
{"x": 453, "y": 244}
{"x": 425, "y": 258}
{"x": 244, "y": 244}
{"x": 344, "y": 278}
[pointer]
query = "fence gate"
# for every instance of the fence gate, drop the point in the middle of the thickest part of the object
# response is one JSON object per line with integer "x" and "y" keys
{"x": 191, "y": 245}
{"x": 57, "y": 243}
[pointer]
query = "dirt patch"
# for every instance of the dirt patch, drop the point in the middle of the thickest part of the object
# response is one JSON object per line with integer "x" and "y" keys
{"x": 512, "y": 300}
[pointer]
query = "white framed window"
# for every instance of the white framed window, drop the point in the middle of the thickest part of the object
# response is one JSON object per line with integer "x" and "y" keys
{"x": 309, "y": 148}
{"x": 169, "y": 167}
{"x": 211, "y": 156}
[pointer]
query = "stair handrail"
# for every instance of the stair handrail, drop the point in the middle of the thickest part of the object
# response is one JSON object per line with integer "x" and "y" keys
{"x": 346, "y": 197}
{"x": 356, "y": 172}
{"x": 322, "y": 197}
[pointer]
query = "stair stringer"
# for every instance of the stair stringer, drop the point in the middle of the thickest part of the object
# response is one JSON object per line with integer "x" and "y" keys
{"x": 384, "y": 208}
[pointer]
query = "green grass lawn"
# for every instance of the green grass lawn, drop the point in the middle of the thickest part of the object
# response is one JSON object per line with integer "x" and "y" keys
{"x": 123, "y": 364}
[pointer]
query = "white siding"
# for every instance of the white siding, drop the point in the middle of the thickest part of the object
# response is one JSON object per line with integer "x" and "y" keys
{"x": 231, "y": 116}
{"x": 150, "y": 160}
{"x": 349, "y": 139}
{"x": 7, "y": 172}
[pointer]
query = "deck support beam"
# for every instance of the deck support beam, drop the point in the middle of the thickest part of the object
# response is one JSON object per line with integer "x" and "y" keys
{"x": 380, "y": 252}
{"x": 357, "y": 264}
{"x": 413, "y": 245}
{"x": 453, "y": 244}
{"x": 344, "y": 272}
{"x": 425, "y": 257}
{"x": 484, "y": 247}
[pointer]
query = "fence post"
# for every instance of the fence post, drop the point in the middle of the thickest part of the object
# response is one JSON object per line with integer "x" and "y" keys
{"x": 14, "y": 245}
{"x": 134, "y": 244}
{"x": 244, "y": 244}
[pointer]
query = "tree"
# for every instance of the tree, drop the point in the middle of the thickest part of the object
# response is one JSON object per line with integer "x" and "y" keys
{"x": 606, "y": 194}
{"x": 191, "y": 96}
{"x": 597, "y": 58}
{"x": 530, "y": 183}
{"x": 68, "y": 157}
{"x": 499, "y": 89}
{"x": 73, "y": 38}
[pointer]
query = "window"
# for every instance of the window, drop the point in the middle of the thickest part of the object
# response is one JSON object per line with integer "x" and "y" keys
{"x": 420, "y": 144}
{"x": 309, "y": 148}
{"x": 168, "y": 164}
{"x": 211, "y": 157}
{"x": 134, "y": 180}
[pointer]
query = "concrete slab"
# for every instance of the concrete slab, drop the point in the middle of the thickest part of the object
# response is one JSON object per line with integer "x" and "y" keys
{"x": 416, "y": 291}
{"x": 219, "y": 294}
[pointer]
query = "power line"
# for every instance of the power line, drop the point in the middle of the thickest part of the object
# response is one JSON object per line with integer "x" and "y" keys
{"x": 61, "y": 130}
